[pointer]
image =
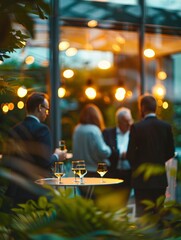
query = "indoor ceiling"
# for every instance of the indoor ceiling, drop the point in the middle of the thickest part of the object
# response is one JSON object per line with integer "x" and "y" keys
{"x": 117, "y": 31}
{"x": 110, "y": 40}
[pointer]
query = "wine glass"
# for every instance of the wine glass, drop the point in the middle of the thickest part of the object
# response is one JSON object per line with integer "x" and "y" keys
{"x": 74, "y": 167}
{"x": 59, "y": 170}
{"x": 81, "y": 171}
{"x": 102, "y": 170}
{"x": 62, "y": 145}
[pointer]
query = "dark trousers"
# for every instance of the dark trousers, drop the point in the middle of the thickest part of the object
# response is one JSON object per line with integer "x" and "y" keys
{"x": 146, "y": 194}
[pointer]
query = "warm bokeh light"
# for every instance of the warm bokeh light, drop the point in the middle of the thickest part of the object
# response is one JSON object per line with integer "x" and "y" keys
{"x": 104, "y": 64}
{"x": 29, "y": 60}
{"x": 107, "y": 99}
{"x": 116, "y": 48}
{"x": 23, "y": 42}
{"x": 20, "y": 104}
{"x": 1, "y": 62}
{"x": 11, "y": 106}
{"x": 61, "y": 92}
{"x": 165, "y": 105}
{"x": 90, "y": 92}
{"x": 22, "y": 91}
{"x": 120, "y": 93}
{"x": 71, "y": 52}
{"x": 120, "y": 39}
{"x": 68, "y": 73}
{"x": 63, "y": 45}
{"x": 159, "y": 102}
{"x": 92, "y": 23}
{"x": 159, "y": 91}
{"x": 129, "y": 94}
{"x": 149, "y": 53}
{"x": 162, "y": 75}
{"x": 5, "y": 108}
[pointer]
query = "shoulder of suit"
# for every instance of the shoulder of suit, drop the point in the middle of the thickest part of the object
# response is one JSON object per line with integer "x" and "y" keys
{"x": 109, "y": 129}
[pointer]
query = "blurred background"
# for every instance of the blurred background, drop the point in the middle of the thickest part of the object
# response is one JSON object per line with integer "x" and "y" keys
{"x": 108, "y": 52}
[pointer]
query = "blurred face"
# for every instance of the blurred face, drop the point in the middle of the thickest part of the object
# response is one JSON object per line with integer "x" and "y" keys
{"x": 44, "y": 110}
{"x": 124, "y": 123}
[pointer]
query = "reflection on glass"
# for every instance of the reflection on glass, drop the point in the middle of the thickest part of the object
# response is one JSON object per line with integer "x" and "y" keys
{"x": 102, "y": 170}
{"x": 59, "y": 170}
{"x": 81, "y": 171}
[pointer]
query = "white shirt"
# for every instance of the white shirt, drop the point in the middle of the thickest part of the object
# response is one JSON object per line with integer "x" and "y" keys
{"x": 122, "y": 145}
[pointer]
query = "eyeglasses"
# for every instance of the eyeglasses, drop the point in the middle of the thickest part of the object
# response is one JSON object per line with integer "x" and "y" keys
{"x": 46, "y": 108}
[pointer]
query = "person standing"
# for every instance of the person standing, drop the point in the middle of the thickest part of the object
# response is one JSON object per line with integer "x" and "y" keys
{"x": 29, "y": 152}
{"x": 88, "y": 142}
{"x": 151, "y": 144}
{"x": 117, "y": 138}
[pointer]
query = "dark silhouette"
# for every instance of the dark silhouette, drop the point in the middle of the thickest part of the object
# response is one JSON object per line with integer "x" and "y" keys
{"x": 151, "y": 144}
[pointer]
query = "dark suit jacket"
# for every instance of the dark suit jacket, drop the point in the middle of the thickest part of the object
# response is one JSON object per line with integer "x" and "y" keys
{"x": 109, "y": 135}
{"x": 151, "y": 141}
{"x": 32, "y": 143}
{"x": 29, "y": 154}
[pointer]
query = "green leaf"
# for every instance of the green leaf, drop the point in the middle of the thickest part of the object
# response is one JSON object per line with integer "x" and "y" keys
{"x": 42, "y": 202}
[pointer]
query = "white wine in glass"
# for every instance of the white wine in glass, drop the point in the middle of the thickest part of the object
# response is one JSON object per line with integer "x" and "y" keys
{"x": 81, "y": 171}
{"x": 62, "y": 145}
{"x": 59, "y": 170}
{"x": 74, "y": 167}
{"x": 102, "y": 170}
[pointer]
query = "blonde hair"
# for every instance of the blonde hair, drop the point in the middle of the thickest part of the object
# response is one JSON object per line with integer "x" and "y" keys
{"x": 91, "y": 114}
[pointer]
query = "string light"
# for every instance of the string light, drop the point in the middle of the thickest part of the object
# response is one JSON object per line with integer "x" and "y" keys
{"x": 22, "y": 91}
{"x": 63, "y": 45}
{"x": 149, "y": 53}
{"x": 92, "y": 23}
{"x": 162, "y": 75}
{"x": 120, "y": 93}
{"x": 159, "y": 91}
{"x": 61, "y": 92}
{"x": 29, "y": 60}
{"x": 68, "y": 73}
{"x": 90, "y": 92}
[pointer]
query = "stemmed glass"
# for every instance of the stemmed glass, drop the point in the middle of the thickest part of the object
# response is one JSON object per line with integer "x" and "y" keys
{"x": 81, "y": 170}
{"x": 59, "y": 170}
{"x": 74, "y": 167}
{"x": 102, "y": 170}
{"x": 62, "y": 145}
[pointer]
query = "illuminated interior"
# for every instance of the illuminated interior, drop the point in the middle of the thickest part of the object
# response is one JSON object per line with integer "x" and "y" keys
{"x": 100, "y": 40}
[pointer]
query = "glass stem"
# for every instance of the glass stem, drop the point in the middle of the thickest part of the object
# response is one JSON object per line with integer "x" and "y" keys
{"x": 59, "y": 180}
{"x": 81, "y": 180}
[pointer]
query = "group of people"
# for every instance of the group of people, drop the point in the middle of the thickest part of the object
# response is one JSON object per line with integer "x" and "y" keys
{"x": 130, "y": 149}
{"x": 125, "y": 147}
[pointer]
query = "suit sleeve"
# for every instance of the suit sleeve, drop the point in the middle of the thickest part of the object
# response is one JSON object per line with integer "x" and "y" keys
{"x": 170, "y": 147}
{"x": 43, "y": 137}
{"x": 132, "y": 146}
{"x": 114, "y": 157}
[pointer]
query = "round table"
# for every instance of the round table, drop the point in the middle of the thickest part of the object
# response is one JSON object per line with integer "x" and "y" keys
{"x": 70, "y": 182}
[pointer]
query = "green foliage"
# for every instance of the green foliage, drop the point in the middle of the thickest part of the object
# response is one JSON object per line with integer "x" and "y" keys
{"x": 165, "y": 223}
{"x": 17, "y": 23}
{"x": 59, "y": 216}
{"x": 148, "y": 170}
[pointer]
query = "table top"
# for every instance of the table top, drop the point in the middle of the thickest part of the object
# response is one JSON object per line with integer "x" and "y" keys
{"x": 70, "y": 181}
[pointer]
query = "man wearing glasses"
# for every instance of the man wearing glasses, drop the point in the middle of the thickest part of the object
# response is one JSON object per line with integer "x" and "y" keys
{"x": 30, "y": 146}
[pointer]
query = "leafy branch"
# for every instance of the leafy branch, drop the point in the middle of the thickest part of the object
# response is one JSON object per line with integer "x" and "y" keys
{"x": 17, "y": 23}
